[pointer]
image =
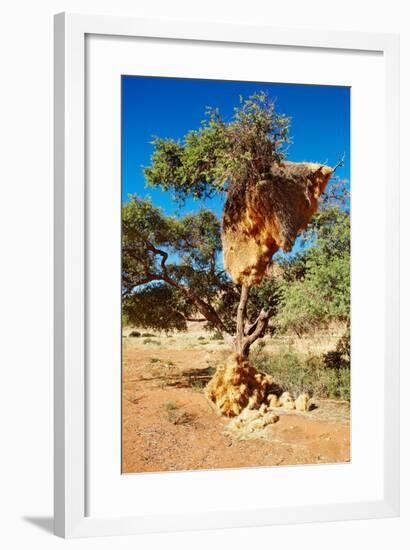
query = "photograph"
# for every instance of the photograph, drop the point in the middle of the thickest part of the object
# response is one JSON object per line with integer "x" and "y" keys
{"x": 235, "y": 269}
{"x": 206, "y": 199}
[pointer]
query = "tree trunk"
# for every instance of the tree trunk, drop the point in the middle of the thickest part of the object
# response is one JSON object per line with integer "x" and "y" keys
{"x": 237, "y": 384}
{"x": 240, "y": 322}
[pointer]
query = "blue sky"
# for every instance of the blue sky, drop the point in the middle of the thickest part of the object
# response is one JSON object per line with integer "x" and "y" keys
{"x": 170, "y": 107}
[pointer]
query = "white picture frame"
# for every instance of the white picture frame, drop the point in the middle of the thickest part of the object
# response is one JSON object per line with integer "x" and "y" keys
{"x": 70, "y": 380}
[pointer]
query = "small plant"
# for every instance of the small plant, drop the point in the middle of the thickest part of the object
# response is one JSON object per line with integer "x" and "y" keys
{"x": 134, "y": 334}
{"x": 170, "y": 406}
{"x": 175, "y": 415}
{"x": 343, "y": 345}
{"x": 216, "y": 336}
{"x": 151, "y": 341}
{"x": 201, "y": 337}
{"x": 147, "y": 335}
{"x": 155, "y": 360}
{"x": 260, "y": 346}
{"x": 198, "y": 386}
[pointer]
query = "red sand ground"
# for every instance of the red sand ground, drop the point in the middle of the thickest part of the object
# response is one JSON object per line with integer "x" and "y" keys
{"x": 169, "y": 425}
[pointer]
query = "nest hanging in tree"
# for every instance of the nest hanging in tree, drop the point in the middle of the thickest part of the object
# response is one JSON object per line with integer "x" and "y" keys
{"x": 259, "y": 218}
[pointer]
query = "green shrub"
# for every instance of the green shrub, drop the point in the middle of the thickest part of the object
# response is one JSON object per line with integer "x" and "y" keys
{"x": 151, "y": 341}
{"x": 299, "y": 373}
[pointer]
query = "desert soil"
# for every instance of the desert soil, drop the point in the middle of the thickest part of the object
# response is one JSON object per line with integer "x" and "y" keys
{"x": 169, "y": 425}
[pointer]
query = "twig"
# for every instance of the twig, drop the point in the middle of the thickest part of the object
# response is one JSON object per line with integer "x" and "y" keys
{"x": 340, "y": 163}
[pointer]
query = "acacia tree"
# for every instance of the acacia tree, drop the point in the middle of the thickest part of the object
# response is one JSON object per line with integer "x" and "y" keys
{"x": 170, "y": 266}
{"x": 171, "y": 272}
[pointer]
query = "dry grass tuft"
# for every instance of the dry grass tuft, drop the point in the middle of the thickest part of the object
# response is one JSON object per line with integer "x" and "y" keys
{"x": 176, "y": 415}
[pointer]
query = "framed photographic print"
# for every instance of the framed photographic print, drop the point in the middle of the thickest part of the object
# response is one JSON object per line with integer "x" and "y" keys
{"x": 226, "y": 275}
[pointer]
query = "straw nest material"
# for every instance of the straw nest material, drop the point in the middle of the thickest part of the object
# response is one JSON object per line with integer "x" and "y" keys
{"x": 237, "y": 385}
{"x": 260, "y": 218}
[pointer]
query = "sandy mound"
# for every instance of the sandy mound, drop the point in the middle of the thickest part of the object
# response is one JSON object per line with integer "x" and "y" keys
{"x": 302, "y": 403}
{"x": 252, "y": 420}
{"x": 237, "y": 385}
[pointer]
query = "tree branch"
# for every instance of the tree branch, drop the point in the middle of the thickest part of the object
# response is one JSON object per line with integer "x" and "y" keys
{"x": 204, "y": 308}
{"x": 161, "y": 253}
{"x": 258, "y": 331}
{"x": 250, "y": 327}
{"x": 130, "y": 285}
{"x": 340, "y": 163}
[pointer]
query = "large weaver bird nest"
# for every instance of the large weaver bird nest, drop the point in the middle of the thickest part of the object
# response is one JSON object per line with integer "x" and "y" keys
{"x": 260, "y": 218}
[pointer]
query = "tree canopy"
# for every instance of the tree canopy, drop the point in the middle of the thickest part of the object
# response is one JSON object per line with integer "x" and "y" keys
{"x": 171, "y": 271}
{"x": 207, "y": 160}
{"x": 181, "y": 253}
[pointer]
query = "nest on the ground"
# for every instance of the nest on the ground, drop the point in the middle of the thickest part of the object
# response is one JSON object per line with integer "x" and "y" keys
{"x": 236, "y": 385}
{"x": 259, "y": 218}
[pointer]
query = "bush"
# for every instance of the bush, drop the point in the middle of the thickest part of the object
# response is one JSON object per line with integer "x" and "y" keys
{"x": 134, "y": 334}
{"x": 315, "y": 288}
{"x": 150, "y": 341}
{"x": 298, "y": 373}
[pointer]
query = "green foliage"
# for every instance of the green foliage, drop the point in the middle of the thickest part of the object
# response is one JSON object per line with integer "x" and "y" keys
{"x": 149, "y": 237}
{"x": 221, "y": 151}
{"x": 266, "y": 296}
{"x": 299, "y": 373}
{"x": 316, "y": 285}
{"x": 156, "y": 306}
{"x": 313, "y": 290}
{"x": 162, "y": 253}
